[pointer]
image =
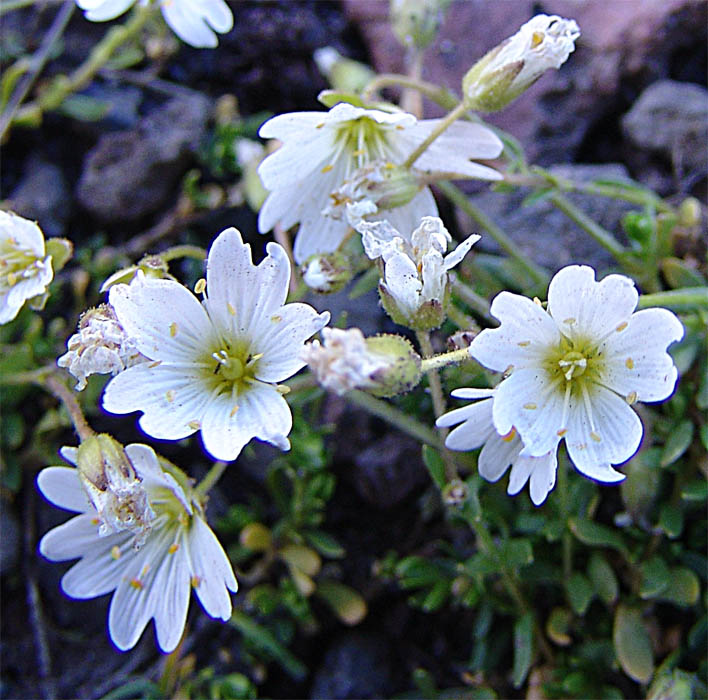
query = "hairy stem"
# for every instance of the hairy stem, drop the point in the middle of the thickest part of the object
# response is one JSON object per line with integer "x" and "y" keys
{"x": 684, "y": 299}
{"x": 62, "y": 392}
{"x": 435, "y": 362}
{"x": 441, "y": 96}
{"x": 183, "y": 251}
{"x": 210, "y": 478}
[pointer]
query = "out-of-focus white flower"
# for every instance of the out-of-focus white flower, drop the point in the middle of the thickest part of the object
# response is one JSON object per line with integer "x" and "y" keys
{"x": 214, "y": 366}
{"x": 575, "y": 369}
{"x": 414, "y": 286}
{"x": 511, "y": 67}
{"x": 193, "y": 21}
{"x": 475, "y": 428}
{"x": 150, "y": 544}
{"x": 101, "y": 346}
{"x": 25, "y": 269}
{"x": 385, "y": 365}
{"x": 323, "y": 149}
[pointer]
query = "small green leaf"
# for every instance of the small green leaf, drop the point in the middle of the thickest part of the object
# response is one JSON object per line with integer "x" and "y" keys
{"x": 516, "y": 553}
{"x": 603, "y": 578}
{"x": 677, "y": 685}
{"x": 597, "y": 535}
{"x": 677, "y": 443}
{"x": 436, "y": 596}
{"x": 347, "y": 604}
{"x": 436, "y": 467}
{"x": 632, "y": 644}
{"x": 558, "y": 626}
{"x": 256, "y": 537}
{"x": 684, "y": 589}
{"x": 301, "y": 557}
{"x": 679, "y": 274}
{"x": 655, "y": 578}
{"x": 580, "y": 592}
{"x": 329, "y": 98}
{"x": 523, "y": 649}
{"x": 670, "y": 520}
{"x": 695, "y": 491}
{"x": 61, "y": 250}
{"x": 325, "y": 544}
{"x": 84, "y": 108}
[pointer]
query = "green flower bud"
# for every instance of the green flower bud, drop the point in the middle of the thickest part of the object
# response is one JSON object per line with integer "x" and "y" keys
{"x": 343, "y": 73}
{"x": 416, "y": 22}
{"x": 326, "y": 273}
{"x": 402, "y": 371}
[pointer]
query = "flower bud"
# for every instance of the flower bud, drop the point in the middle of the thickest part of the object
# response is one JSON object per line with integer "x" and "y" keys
{"x": 514, "y": 65}
{"x": 416, "y": 22}
{"x": 326, "y": 273}
{"x": 150, "y": 265}
{"x": 343, "y": 73}
{"x": 114, "y": 488}
{"x": 384, "y": 365}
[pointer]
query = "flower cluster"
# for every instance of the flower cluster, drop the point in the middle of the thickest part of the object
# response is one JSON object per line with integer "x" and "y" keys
{"x": 572, "y": 372}
{"x": 138, "y": 533}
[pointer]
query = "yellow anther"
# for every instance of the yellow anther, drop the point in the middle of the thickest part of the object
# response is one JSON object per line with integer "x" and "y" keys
{"x": 194, "y": 424}
{"x": 327, "y": 168}
{"x": 173, "y": 548}
{"x": 255, "y": 358}
{"x": 629, "y": 363}
{"x": 538, "y": 302}
{"x": 524, "y": 343}
{"x": 530, "y": 406}
{"x": 173, "y": 329}
{"x": 507, "y": 371}
{"x": 631, "y": 397}
{"x": 170, "y": 395}
{"x": 276, "y": 318}
{"x": 561, "y": 432}
{"x": 399, "y": 127}
{"x": 509, "y": 436}
{"x": 537, "y": 39}
{"x": 157, "y": 363}
{"x": 621, "y": 326}
{"x": 195, "y": 581}
{"x": 570, "y": 321}
{"x": 389, "y": 165}
{"x": 12, "y": 278}
{"x": 115, "y": 552}
{"x": 137, "y": 584}
{"x": 283, "y": 389}
{"x": 320, "y": 125}
{"x": 200, "y": 286}
{"x": 234, "y": 410}
{"x": 359, "y": 152}
{"x": 231, "y": 308}
{"x": 95, "y": 521}
{"x": 595, "y": 437}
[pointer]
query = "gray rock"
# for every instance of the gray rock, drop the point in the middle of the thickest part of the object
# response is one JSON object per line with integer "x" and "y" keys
{"x": 132, "y": 173}
{"x": 10, "y": 542}
{"x": 671, "y": 118}
{"x": 43, "y": 195}
{"x": 545, "y": 234}
{"x": 357, "y": 665}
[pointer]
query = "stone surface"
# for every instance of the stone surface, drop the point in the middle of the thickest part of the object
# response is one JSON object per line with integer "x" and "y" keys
{"x": 544, "y": 233}
{"x": 42, "y": 195}
{"x": 355, "y": 666}
{"x": 131, "y": 173}
{"x": 671, "y": 118}
{"x": 573, "y": 111}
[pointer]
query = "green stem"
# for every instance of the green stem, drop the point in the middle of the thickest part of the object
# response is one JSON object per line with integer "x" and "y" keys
{"x": 436, "y": 362}
{"x": 441, "y": 96}
{"x": 63, "y": 86}
{"x": 590, "y": 226}
{"x": 475, "y": 301}
{"x": 458, "y": 197}
{"x": 395, "y": 417}
{"x": 685, "y": 299}
{"x": 442, "y": 125}
{"x": 437, "y": 395}
{"x": 183, "y": 251}
{"x": 565, "y": 507}
{"x": 210, "y": 478}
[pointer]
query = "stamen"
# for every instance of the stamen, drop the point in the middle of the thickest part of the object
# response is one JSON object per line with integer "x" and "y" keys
{"x": 137, "y": 584}
{"x": 595, "y": 437}
{"x": 622, "y": 326}
{"x": 570, "y": 321}
{"x": 283, "y": 389}
{"x": 631, "y": 397}
{"x": 276, "y": 318}
{"x": 588, "y": 408}
{"x": 327, "y": 168}
{"x": 173, "y": 329}
{"x": 115, "y": 552}
{"x": 170, "y": 395}
{"x": 173, "y": 548}
{"x": 234, "y": 410}
{"x": 524, "y": 343}
{"x": 157, "y": 363}
{"x": 200, "y": 286}
{"x": 230, "y": 308}
{"x": 509, "y": 436}
{"x": 194, "y": 424}
{"x": 195, "y": 581}
{"x": 255, "y": 358}
{"x": 566, "y": 406}
{"x": 629, "y": 363}
{"x": 530, "y": 406}
{"x": 537, "y": 39}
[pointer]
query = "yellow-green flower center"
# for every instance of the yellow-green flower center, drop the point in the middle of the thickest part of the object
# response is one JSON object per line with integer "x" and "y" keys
{"x": 363, "y": 139}
{"x": 16, "y": 263}
{"x": 233, "y": 367}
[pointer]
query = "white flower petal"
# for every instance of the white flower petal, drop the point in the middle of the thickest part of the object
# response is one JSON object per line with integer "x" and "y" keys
{"x": 633, "y": 365}
{"x": 282, "y": 338}
{"x": 170, "y": 398}
{"x": 185, "y": 19}
{"x": 583, "y": 308}
{"x": 402, "y": 282}
{"x": 543, "y": 476}
{"x": 292, "y": 125}
{"x": 212, "y": 570}
{"x": 62, "y": 487}
{"x": 407, "y": 218}
{"x": 165, "y": 320}
{"x": 472, "y": 393}
{"x": 25, "y": 233}
{"x": 476, "y": 427}
{"x": 71, "y": 539}
{"x": 525, "y": 334}
{"x": 528, "y": 402}
{"x": 496, "y": 456}
{"x": 262, "y": 413}
{"x": 240, "y": 293}
{"x": 609, "y": 436}
{"x": 456, "y": 256}
{"x": 296, "y": 160}
{"x": 104, "y": 10}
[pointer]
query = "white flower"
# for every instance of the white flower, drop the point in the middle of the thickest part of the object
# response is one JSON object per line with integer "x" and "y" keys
{"x": 476, "y": 429}
{"x": 575, "y": 369}
{"x": 179, "y": 552}
{"x": 508, "y": 69}
{"x": 101, "y": 346}
{"x": 214, "y": 365}
{"x": 25, "y": 269}
{"x": 344, "y": 362}
{"x": 415, "y": 269}
{"x": 323, "y": 149}
{"x": 193, "y": 21}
